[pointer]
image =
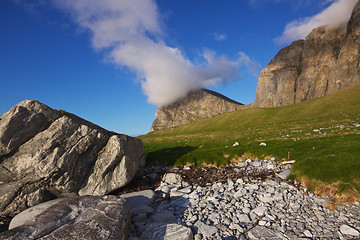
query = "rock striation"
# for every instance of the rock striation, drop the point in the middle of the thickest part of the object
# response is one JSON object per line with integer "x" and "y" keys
{"x": 197, "y": 105}
{"x": 45, "y": 154}
{"x": 85, "y": 217}
{"x": 325, "y": 62}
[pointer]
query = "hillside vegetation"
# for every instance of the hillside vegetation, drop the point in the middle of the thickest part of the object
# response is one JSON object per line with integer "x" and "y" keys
{"x": 322, "y": 135}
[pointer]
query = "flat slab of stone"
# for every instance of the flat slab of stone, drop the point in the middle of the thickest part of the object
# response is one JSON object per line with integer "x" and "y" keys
{"x": 244, "y": 218}
{"x": 156, "y": 231}
{"x": 136, "y": 199}
{"x": 266, "y": 199}
{"x": 204, "y": 229}
{"x": 30, "y": 213}
{"x": 260, "y": 211}
{"x": 263, "y": 233}
{"x": 85, "y": 217}
{"x": 284, "y": 174}
{"x": 347, "y": 230}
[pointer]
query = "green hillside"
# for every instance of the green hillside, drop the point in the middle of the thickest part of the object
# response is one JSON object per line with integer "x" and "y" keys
{"x": 322, "y": 135}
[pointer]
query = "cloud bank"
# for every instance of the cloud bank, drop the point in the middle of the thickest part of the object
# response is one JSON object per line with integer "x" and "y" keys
{"x": 131, "y": 34}
{"x": 334, "y": 15}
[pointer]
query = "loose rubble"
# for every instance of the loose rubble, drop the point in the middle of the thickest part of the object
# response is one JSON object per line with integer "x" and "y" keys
{"x": 260, "y": 205}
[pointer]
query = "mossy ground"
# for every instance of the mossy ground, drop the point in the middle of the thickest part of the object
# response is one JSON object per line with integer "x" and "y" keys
{"x": 322, "y": 135}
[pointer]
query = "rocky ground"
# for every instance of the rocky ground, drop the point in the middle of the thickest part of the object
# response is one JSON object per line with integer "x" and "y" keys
{"x": 250, "y": 200}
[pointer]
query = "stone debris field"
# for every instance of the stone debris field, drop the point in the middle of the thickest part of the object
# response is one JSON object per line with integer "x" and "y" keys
{"x": 242, "y": 208}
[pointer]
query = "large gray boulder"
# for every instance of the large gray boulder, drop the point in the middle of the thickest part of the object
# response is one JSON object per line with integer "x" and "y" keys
{"x": 23, "y": 122}
{"x": 47, "y": 154}
{"x": 85, "y": 217}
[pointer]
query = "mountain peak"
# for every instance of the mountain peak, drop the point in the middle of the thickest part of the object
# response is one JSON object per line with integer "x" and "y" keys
{"x": 325, "y": 62}
{"x": 197, "y": 105}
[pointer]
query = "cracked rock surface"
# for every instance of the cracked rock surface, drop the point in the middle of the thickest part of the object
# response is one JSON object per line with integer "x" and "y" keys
{"x": 84, "y": 217}
{"x": 47, "y": 154}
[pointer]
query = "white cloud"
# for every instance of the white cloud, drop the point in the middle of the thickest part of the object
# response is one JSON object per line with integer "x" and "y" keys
{"x": 334, "y": 15}
{"x": 131, "y": 33}
{"x": 252, "y": 66}
{"x": 219, "y": 37}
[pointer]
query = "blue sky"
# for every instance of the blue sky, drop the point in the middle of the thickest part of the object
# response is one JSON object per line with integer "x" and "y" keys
{"x": 113, "y": 62}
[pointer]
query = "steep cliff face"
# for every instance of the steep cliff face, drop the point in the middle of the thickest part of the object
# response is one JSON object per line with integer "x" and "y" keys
{"x": 326, "y": 61}
{"x": 197, "y": 105}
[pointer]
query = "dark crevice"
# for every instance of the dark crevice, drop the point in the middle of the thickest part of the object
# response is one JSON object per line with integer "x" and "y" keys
{"x": 29, "y": 137}
{"x": 326, "y": 87}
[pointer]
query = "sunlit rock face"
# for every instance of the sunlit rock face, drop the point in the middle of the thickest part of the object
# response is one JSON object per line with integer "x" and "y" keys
{"x": 325, "y": 62}
{"x": 196, "y": 106}
{"x": 46, "y": 153}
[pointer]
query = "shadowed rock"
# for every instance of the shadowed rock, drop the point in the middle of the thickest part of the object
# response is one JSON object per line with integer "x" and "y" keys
{"x": 85, "y": 217}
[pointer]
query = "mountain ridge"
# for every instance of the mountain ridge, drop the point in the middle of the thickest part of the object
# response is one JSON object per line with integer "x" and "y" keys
{"x": 197, "y": 105}
{"x": 326, "y": 61}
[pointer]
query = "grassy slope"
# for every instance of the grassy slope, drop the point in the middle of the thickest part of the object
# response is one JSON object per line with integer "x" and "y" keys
{"x": 322, "y": 135}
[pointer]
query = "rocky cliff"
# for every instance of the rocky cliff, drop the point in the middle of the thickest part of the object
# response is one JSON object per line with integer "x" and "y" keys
{"x": 326, "y": 61}
{"x": 197, "y": 105}
{"x": 46, "y": 153}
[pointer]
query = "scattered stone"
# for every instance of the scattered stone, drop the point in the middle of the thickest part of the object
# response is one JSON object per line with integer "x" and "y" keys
{"x": 347, "y": 230}
{"x": 263, "y": 233}
{"x": 230, "y": 209}
{"x": 205, "y": 230}
{"x": 157, "y": 231}
{"x": 136, "y": 199}
{"x": 308, "y": 234}
{"x": 172, "y": 178}
{"x": 266, "y": 199}
{"x": 284, "y": 174}
{"x": 260, "y": 211}
{"x": 263, "y": 144}
{"x": 243, "y": 218}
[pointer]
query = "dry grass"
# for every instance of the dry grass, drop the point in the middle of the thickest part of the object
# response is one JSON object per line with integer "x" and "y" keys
{"x": 101, "y": 151}
{"x": 331, "y": 192}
